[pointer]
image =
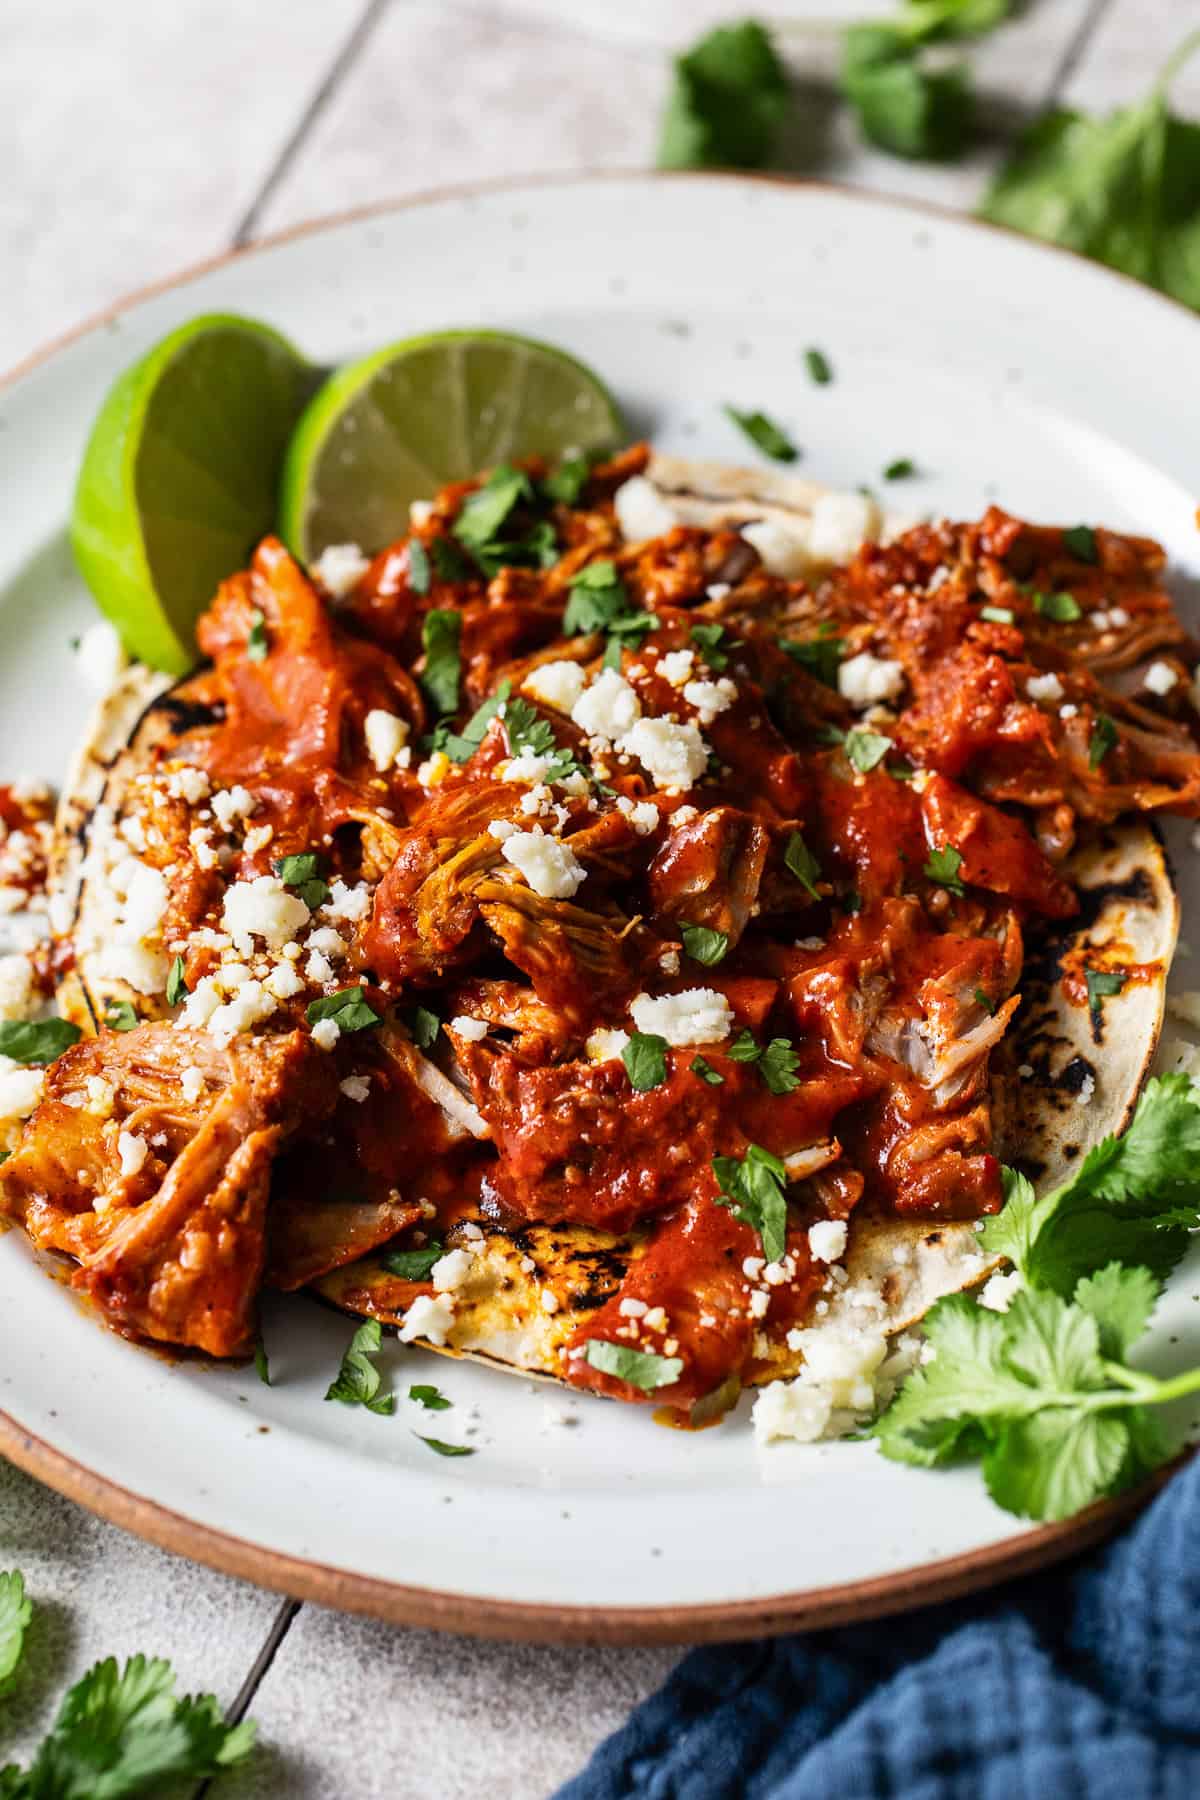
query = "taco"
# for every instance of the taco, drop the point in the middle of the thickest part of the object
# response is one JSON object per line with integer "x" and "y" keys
{"x": 617, "y": 933}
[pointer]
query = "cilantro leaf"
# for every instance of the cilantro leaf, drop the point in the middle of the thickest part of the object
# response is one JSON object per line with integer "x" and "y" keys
{"x": 709, "y": 637}
{"x": 765, "y": 433}
{"x": 802, "y": 863}
{"x": 120, "y": 1016}
{"x": 704, "y": 945}
{"x": 1063, "y": 609}
{"x": 900, "y": 469}
{"x": 701, "y": 1066}
{"x": 429, "y": 1397}
{"x": 942, "y": 866}
{"x": 640, "y": 1368}
{"x": 821, "y": 655}
{"x": 424, "y": 1026}
{"x": 420, "y": 575}
{"x": 1104, "y": 736}
{"x": 413, "y": 1265}
{"x": 449, "y": 561}
{"x": 39, "y": 1041}
{"x": 1051, "y": 1464}
{"x": 597, "y": 597}
{"x": 177, "y": 987}
{"x": 1124, "y": 189}
{"x": 727, "y": 103}
{"x": 567, "y": 482}
{"x": 257, "y": 642}
{"x": 300, "y": 872}
{"x": 1121, "y": 1301}
{"x": 460, "y": 746}
{"x": 865, "y": 749}
{"x": 777, "y": 1066}
{"x": 1080, "y": 540}
{"x": 903, "y": 103}
{"x": 645, "y": 1059}
{"x": 357, "y": 1381}
{"x": 744, "y": 1047}
{"x": 484, "y": 511}
{"x": 262, "y": 1367}
{"x": 444, "y": 1449}
{"x": 441, "y": 630}
{"x": 1101, "y": 985}
{"x": 752, "y": 1187}
{"x": 15, "y": 1614}
{"x": 126, "y": 1732}
{"x": 1132, "y": 1199}
{"x": 348, "y": 1008}
{"x": 818, "y": 366}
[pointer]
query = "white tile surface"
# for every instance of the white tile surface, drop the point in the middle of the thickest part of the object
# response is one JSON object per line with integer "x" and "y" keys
{"x": 350, "y": 1707}
{"x": 134, "y": 137}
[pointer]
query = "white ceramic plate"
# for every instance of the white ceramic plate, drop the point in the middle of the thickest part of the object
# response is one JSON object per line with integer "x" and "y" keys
{"x": 1006, "y": 371}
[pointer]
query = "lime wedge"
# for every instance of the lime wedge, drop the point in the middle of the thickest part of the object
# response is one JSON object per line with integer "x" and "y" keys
{"x": 180, "y": 477}
{"x": 396, "y": 426}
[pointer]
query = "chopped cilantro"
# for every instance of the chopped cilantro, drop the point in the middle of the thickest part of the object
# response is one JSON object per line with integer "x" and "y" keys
{"x": 429, "y": 1397}
{"x": 818, "y": 366}
{"x": 1101, "y": 985}
{"x": 177, "y": 987}
{"x": 413, "y": 1265}
{"x": 943, "y": 866}
{"x": 257, "y": 643}
{"x": 744, "y": 1048}
{"x": 38, "y": 1041}
{"x": 900, "y": 469}
{"x": 640, "y": 1368}
{"x": 449, "y": 561}
{"x": 997, "y": 615}
{"x": 424, "y": 1026}
{"x": 765, "y": 433}
{"x": 302, "y": 873}
{"x": 700, "y": 1066}
{"x": 865, "y": 749}
{"x": 727, "y": 103}
{"x": 1080, "y": 540}
{"x": 752, "y": 1187}
{"x": 460, "y": 746}
{"x": 1062, "y": 609}
{"x": 704, "y": 945}
{"x": 1104, "y": 736}
{"x": 357, "y": 1381}
{"x": 645, "y": 1059}
{"x": 441, "y": 631}
{"x": 597, "y": 597}
{"x": 120, "y": 1016}
{"x": 261, "y": 1366}
{"x": 420, "y": 575}
{"x": 567, "y": 482}
{"x": 802, "y": 863}
{"x": 348, "y": 1008}
{"x": 821, "y": 656}
{"x": 709, "y": 638}
{"x": 485, "y": 511}
{"x": 985, "y": 1000}
{"x": 777, "y": 1066}
{"x": 444, "y": 1449}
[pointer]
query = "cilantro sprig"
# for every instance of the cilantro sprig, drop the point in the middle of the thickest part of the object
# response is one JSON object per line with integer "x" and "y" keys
{"x": 776, "y": 1062}
{"x": 640, "y": 1368}
{"x": 599, "y": 601}
{"x": 765, "y": 433}
{"x": 357, "y": 1382}
{"x": 752, "y": 1187}
{"x": 727, "y": 104}
{"x": 38, "y": 1041}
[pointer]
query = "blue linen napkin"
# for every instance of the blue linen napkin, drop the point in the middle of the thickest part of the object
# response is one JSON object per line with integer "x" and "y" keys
{"x": 1083, "y": 1681}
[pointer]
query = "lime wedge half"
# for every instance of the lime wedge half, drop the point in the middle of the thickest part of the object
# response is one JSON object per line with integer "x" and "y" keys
{"x": 180, "y": 477}
{"x": 396, "y": 426}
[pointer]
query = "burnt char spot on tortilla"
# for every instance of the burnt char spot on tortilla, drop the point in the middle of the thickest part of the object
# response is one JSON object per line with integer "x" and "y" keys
{"x": 596, "y": 1273}
{"x": 1075, "y": 1076}
{"x": 187, "y": 715}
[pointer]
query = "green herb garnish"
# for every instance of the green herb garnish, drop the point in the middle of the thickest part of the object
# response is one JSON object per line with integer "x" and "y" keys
{"x": 568, "y": 481}
{"x": 821, "y": 656}
{"x": 765, "y": 433}
{"x": 1102, "y": 984}
{"x": 302, "y": 873}
{"x": 1063, "y": 609}
{"x": 640, "y": 1368}
{"x": 357, "y": 1381}
{"x": 942, "y": 866}
{"x": 865, "y": 749}
{"x": 420, "y": 576}
{"x": 348, "y": 1008}
{"x": 441, "y": 630}
{"x": 645, "y": 1059}
{"x": 444, "y": 1449}
{"x": 262, "y": 1367}
{"x": 257, "y": 643}
{"x": 431, "y": 1398}
{"x": 1104, "y": 736}
{"x": 709, "y": 638}
{"x": 802, "y": 863}
{"x": 701, "y": 1066}
{"x": 752, "y": 1187}
{"x": 120, "y": 1016}
{"x": 727, "y": 103}
{"x": 818, "y": 366}
{"x": 424, "y": 1026}
{"x": 413, "y": 1265}
{"x": 177, "y": 987}
{"x": 38, "y": 1041}
{"x": 1080, "y": 540}
{"x": 15, "y": 1614}
{"x": 900, "y": 469}
{"x": 485, "y": 511}
{"x": 704, "y": 945}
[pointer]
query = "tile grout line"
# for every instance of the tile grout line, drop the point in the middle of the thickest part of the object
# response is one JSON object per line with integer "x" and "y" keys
{"x": 531, "y": 20}
{"x": 331, "y": 81}
{"x": 1075, "y": 47}
{"x": 280, "y": 1626}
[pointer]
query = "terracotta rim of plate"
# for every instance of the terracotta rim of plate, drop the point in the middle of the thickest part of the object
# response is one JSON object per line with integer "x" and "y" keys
{"x": 849, "y": 1603}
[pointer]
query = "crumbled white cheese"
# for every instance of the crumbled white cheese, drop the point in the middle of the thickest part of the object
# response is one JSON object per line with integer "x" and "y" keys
{"x": 200, "y": 840}
{"x": 710, "y": 697}
{"x": 318, "y": 969}
{"x": 386, "y": 736}
{"x": 1118, "y": 616}
{"x": 262, "y": 908}
{"x": 697, "y": 1016}
{"x": 758, "y": 1303}
{"x": 20, "y": 1089}
{"x": 430, "y": 1316}
{"x": 1044, "y": 687}
{"x": 233, "y": 803}
{"x": 674, "y": 756}
{"x": 340, "y": 568}
{"x": 16, "y": 987}
{"x": 501, "y": 829}
{"x": 1160, "y": 677}
{"x": 420, "y": 512}
{"x": 191, "y": 1083}
{"x": 471, "y": 1029}
{"x": 549, "y": 866}
{"x": 791, "y": 1409}
{"x": 451, "y": 1271}
{"x": 99, "y": 657}
{"x": 642, "y": 814}
{"x": 668, "y": 961}
{"x": 843, "y": 1360}
{"x": 864, "y": 680}
{"x": 250, "y": 1004}
{"x": 356, "y": 1088}
{"x": 191, "y": 785}
{"x": 100, "y": 1096}
{"x": 827, "y": 1239}
{"x": 605, "y": 1045}
{"x": 840, "y": 524}
{"x": 548, "y": 1300}
{"x": 1087, "y": 1089}
{"x": 349, "y": 903}
{"x": 328, "y": 941}
{"x": 676, "y": 666}
{"x": 325, "y": 1033}
{"x": 556, "y": 684}
{"x": 631, "y": 1308}
{"x": 1068, "y": 711}
{"x": 258, "y": 839}
{"x": 641, "y": 510}
{"x": 525, "y": 767}
{"x": 200, "y": 1004}
{"x": 608, "y": 708}
{"x": 999, "y": 1291}
{"x": 433, "y": 772}
{"x": 782, "y": 549}
{"x": 132, "y": 1150}
{"x": 284, "y": 981}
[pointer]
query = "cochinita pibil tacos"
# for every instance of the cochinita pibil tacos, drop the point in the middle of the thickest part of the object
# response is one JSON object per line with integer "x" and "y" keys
{"x": 618, "y": 931}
